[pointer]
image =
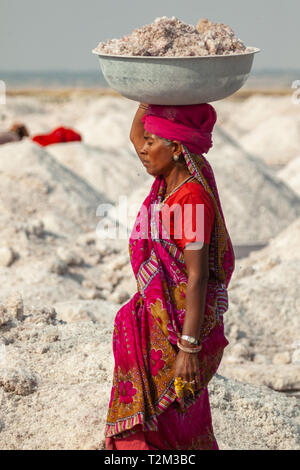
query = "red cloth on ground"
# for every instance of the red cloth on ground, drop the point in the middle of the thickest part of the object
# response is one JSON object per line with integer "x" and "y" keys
{"x": 191, "y": 193}
{"x": 58, "y": 135}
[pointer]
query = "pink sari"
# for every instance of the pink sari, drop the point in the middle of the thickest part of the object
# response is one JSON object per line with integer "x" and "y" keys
{"x": 144, "y": 412}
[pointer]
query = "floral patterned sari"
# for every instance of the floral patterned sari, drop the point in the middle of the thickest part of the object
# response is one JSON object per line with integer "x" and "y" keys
{"x": 143, "y": 400}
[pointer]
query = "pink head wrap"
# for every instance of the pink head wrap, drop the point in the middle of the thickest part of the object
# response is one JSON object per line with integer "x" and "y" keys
{"x": 192, "y": 125}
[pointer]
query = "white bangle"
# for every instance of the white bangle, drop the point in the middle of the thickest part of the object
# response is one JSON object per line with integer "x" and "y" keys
{"x": 190, "y": 339}
{"x": 189, "y": 350}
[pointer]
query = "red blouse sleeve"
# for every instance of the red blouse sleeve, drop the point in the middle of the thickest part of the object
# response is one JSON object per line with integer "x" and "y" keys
{"x": 192, "y": 219}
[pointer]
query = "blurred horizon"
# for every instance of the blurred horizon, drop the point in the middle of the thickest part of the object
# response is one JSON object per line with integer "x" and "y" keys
{"x": 268, "y": 78}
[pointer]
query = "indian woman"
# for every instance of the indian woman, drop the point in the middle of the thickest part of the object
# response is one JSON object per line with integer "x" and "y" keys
{"x": 168, "y": 339}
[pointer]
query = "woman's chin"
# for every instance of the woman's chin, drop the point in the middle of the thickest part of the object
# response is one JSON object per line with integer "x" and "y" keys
{"x": 151, "y": 172}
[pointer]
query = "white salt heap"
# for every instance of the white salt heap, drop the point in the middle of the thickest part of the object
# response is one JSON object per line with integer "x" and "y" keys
{"x": 46, "y": 190}
{"x": 84, "y": 159}
{"x": 290, "y": 174}
{"x": 267, "y": 127}
{"x": 170, "y": 37}
{"x": 55, "y": 381}
{"x": 263, "y": 321}
{"x": 256, "y": 203}
{"x": 61, "y": 285}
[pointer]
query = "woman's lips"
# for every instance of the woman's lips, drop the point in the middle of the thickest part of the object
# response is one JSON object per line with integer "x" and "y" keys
{"x": 145, "y": 163}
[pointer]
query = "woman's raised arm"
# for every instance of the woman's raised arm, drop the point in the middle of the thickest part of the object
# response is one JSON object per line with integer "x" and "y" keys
{"x": 137, "y": 128}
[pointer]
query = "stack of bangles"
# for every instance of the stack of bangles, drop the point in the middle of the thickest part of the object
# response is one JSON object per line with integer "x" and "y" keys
{"x": 143, "y": 106}
{"x": 189, "y": 350}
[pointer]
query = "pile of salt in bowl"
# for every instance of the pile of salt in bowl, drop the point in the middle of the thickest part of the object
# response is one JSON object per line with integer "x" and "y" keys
{"x": 170, "y": 37}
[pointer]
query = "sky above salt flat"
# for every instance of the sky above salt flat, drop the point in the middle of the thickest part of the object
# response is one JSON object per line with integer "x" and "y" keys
{"x": 59, "y": 35}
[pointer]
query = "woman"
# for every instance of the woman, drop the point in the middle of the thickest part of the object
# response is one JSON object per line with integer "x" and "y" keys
{"x": 169, "y": 338}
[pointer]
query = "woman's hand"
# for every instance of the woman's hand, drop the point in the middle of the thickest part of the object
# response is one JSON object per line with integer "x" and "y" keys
{"x": 187, "y": 367}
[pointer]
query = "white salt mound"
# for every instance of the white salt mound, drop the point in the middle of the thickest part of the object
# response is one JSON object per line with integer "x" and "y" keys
{"x": 45, "y": 210}
{"x": 34, "y": 182}
{"x": 249, "y": 417}
{"x": 248, "y": 114}
{"x": 290, "y": 174}
{"x": 257, "y": 205}
{"x": 170, "y": 37}
{"x": 106, "y": 122}
{"x": 278, "y": 137}
{"x": 282, "y": 247}
{"x": 55, "y": 382}
{"x": 263, "y": 322}
{"x": 266, "y": 126}
{"x": 113, "y": 173}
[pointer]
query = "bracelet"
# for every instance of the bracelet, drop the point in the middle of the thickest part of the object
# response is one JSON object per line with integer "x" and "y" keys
{"x": 189, "y": 350}
{"x": 190, "y": 339}
{"x": 143, "y": 107}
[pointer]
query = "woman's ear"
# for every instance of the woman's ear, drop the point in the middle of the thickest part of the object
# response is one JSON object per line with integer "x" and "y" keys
{"x": 177, "y": 147}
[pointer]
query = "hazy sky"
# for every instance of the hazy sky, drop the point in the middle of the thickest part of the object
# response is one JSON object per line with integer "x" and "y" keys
{"x": 60, "y": 34}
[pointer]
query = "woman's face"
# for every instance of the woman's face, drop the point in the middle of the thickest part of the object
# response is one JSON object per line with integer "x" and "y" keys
{"x": 156, "y": 156}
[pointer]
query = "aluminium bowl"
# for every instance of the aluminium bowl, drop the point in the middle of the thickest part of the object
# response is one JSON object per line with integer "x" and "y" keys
{"x": 177, "y": 80}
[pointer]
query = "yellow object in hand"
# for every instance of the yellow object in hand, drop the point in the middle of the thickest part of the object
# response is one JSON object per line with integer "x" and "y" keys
{"x": 181, "y": 386}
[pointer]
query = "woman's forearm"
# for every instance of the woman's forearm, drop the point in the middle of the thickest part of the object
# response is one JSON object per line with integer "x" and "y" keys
{"x": 195, "y": 307}
{"x": 137, "y": 128}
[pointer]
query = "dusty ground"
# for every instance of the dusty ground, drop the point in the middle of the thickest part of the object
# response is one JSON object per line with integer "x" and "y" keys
{"x": 61, "y": 284}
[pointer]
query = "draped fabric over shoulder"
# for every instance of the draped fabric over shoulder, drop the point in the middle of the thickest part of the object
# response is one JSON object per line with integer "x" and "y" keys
{"x": 144, "y": 412}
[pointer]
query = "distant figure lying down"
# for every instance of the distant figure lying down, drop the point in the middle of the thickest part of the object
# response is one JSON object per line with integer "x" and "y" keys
{"x": 15, "y": 133}
{"x": 61, "y": 134}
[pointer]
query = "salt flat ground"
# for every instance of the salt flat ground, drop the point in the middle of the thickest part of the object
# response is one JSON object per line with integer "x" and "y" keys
{"x": 62, "y": 284}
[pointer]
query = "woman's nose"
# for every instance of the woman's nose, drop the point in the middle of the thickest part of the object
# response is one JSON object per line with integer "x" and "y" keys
{"x": 143, "y": 149}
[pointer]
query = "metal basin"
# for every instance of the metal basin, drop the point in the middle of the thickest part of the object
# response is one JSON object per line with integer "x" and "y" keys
{"x": 177, "y": 80}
